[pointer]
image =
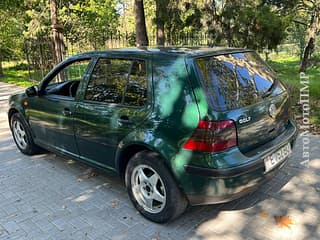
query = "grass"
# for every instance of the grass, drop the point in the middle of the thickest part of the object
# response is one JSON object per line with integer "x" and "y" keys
{"x": 18, "y": 77}
{"x": 17, "y": 73}
{"x": 287, "y": 69}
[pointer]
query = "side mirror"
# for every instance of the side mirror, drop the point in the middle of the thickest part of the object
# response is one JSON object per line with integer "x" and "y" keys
{"x": 32, "y": 91}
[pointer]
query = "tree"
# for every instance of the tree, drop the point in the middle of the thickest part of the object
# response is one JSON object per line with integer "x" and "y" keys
{"x": 245, "y": 23}
{"x": 57, "y": 35}
{"x": 90, "y": 23}
{"x": 10, "y": 30}
{"x": 161, "y": 6}
{"x": 298, "y": 30}
{"x": 140, "y": 23}
{"x": 313, "y": 8}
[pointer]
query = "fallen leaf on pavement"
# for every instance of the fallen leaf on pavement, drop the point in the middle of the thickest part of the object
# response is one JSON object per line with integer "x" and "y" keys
{"x": 90, "y": 175}
{"x": 264, "y": 214}
{"x": 284, "y": 221}
{"x": 114, "y": 203}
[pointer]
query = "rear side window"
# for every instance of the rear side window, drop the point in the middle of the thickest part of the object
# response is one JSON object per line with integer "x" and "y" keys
{"x": 118, "y": 81}
{"x": 235, "y": 80}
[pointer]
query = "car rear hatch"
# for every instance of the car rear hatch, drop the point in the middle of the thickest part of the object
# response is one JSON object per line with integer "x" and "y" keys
{"x": 241, "y": 87}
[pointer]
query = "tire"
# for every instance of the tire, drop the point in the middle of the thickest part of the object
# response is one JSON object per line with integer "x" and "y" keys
{"x": 22, "y": 135}
{"x": 152, "y": 189}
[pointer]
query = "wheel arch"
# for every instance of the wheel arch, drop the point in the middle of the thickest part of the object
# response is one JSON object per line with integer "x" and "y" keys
{"x": 10, "y": 114}
{"x": 14, "y": 110}
{"x": 124, "y": 155}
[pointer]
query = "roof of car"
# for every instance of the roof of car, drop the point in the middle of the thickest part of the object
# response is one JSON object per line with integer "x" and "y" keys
{"x": 187, "y": 51}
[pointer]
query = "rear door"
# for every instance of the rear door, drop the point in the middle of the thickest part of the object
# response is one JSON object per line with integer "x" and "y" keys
{"x": 240, "y": 86}
{"x": 114, "y": 104}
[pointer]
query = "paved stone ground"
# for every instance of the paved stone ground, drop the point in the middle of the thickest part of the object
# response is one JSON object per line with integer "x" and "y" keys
{"x": 49, "y": 197}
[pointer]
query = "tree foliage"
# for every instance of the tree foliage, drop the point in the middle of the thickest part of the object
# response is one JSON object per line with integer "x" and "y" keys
{"x": 312, "y": 9}
{"x": 89, "y": 24}
{"x": 246, "y": 23}
{"x": 10, "y": 31}
{"x": 90, "y": 21}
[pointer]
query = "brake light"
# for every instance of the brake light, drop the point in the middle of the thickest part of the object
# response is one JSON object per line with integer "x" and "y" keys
{"x": 213, "y": 136}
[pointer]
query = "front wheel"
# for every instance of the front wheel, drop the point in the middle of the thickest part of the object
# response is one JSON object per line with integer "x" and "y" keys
{"x": 22, "y": 135}
{"x": 152, "y": 189}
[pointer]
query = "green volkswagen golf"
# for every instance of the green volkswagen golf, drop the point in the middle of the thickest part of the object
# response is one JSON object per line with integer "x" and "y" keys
{"x": 181, "y": 126}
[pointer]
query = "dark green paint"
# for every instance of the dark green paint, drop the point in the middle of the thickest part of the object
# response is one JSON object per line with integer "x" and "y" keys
{"x": 176, "y": 102}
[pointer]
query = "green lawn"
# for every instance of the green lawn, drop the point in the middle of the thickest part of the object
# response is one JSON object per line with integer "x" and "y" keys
{"x": 18, "y": 77}
{"x": 287, "y": 70}
{"x": 17, "y": 73}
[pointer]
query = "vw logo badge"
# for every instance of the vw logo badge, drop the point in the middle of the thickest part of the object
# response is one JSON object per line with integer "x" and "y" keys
{"x": 272, "y": 110}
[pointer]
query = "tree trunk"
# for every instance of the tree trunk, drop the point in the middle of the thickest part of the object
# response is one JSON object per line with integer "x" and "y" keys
{"x": 141, "y": 30}
{"x": 160, "y": 34}
{"x": 306, "y": 55}
{"x": 58, "y": 44}
{"x": 160, "y": 20}
{"x": 1, "y": 69}
{"x": 312, "y": 33}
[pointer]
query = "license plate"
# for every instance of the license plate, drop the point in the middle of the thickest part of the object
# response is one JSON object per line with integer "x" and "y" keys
{"x": 273, "y": 159}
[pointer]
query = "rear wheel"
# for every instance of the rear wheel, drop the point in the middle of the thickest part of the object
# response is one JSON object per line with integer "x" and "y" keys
{"x": 152, "y": 189}
{"x": 22, "y": 135}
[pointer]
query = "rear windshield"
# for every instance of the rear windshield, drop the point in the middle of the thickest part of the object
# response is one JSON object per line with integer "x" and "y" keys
{"x": 235, "y": 80}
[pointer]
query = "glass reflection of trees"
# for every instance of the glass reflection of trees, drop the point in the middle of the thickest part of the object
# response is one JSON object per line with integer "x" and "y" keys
{"x": 118, "y": 81}
{"x": 66, "y": 81}
{"x": 72, "y": 72}
{"x": 234, "y": 80}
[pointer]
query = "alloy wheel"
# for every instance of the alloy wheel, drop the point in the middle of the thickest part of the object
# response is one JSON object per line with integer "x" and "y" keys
{"x": 20, "y": 134}
{"x": 148, "y": 189}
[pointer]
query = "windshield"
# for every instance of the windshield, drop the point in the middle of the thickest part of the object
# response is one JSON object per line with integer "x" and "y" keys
{"x": 235, "y": 80}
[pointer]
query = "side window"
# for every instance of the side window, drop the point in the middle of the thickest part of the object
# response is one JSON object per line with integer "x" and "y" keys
{"x": 136, "y": 89}
{"x": 118, "y": 81}
{"x": 66, "y": 81}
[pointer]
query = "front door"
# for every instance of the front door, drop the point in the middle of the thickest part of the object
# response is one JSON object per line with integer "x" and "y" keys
{"x": 115, "y": 103}
{"x": 51, "y": 113}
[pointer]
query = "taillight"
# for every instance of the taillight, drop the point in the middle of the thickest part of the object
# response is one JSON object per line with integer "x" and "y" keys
{"x": 213, "y": 136}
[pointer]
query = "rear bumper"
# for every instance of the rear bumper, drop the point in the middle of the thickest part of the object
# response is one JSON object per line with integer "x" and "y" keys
{"x": 256, "y": 180}
{"x": 227, "y": 184}
{"x": 224, "y": 173}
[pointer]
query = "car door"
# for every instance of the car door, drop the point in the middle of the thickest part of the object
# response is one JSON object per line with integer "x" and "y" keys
{"x": 51, "y": 112}
{"x": 115, "y": 103}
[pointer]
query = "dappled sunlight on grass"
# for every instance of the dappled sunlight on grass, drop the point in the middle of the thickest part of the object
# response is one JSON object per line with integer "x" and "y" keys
{"x": 17, "y": 73}
{"x": 288, "y": 59}
{"x": 287, "y": 69}
{"x": 18, "y": 77}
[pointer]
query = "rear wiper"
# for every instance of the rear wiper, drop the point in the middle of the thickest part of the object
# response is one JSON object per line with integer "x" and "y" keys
{"x": 270, "y": 89}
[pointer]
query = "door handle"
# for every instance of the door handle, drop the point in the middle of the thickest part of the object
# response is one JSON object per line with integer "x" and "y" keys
{"x": 66, "y": 112}
{"x": 125, "y": 120}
